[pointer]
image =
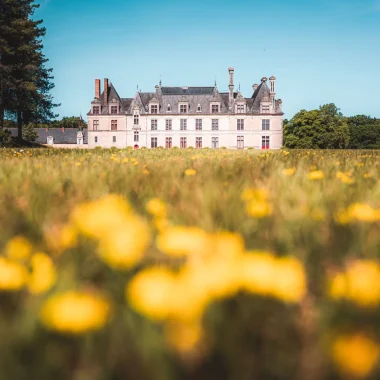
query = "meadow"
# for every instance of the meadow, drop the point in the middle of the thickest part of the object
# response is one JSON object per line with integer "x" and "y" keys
{"x": 189, "y": 264}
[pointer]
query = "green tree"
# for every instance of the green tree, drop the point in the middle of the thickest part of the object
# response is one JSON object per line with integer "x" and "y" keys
{"x": 72, "y": 122}
{"x": 25, "y": 82}
{"x": 324, "y": 128}
{"x": 29, "y": 133}
{"x": 364, "y": 132}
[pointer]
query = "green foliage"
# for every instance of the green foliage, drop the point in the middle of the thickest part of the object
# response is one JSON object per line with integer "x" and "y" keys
{"x": 247, "y": 336}
{"x": 324, "y": 128}
{"x": 364, "y": 132}
{"x": 25, "y": 81}
{"x": 5, "y": 138}
{"x": 29, "y": 133}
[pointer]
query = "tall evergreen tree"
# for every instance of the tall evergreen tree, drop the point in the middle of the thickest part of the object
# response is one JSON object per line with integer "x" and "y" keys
{"x": 25, "y": 82}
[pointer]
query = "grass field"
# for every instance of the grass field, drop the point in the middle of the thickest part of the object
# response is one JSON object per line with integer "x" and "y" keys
{"x": 189, "y": 264}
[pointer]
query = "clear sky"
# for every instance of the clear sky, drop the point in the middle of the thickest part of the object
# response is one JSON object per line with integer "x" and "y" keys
{"x": 321, "y": 51}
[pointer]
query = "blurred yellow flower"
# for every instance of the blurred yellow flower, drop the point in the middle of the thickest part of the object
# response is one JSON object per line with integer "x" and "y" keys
{"x": 355, "y": 355}
{"x": 125, "y": 245}
{"x": 361, "y": 212}
{"x": 43, "y": 275}
{"x": 259, "y": 209}
{"x": 183, "y": 337}
{"x": 156, "y": 207}
{"x": 98, "y": 217}
{"x": 183, "y": 241}
{"x": 254, "y": 194}
{"x": 316, "y": 175}
{"x": 190, "y": 172}
{"x": 12, "y": 275}
{"x": 18, "y": 248}
{"x": 289, "y": 172}
{"x": 75, "y": 312}
{"x": 150, "y": 293}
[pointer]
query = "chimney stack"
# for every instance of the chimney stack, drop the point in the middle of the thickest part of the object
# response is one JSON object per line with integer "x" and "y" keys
{"x": 105, "y": 91}
{"x": 97, "y": 88}
{"x": 231, "y": 85}
{"x": 255, "y": 87}
{"x": 272, "y": 84}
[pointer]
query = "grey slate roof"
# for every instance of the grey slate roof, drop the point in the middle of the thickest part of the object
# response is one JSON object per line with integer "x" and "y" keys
{"x": 60, "y": 135}
{"x": 187, "y": 90}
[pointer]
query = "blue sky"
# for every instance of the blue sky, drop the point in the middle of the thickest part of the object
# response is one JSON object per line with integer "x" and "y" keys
{"x": 321, "y": 51}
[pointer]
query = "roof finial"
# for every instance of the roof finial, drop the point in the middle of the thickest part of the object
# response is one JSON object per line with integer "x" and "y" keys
{"x": 160, "y": 81}
{"x": 137, "y": 87}
{"x": 239, "y": 86}
{"x": 215, "y": 81}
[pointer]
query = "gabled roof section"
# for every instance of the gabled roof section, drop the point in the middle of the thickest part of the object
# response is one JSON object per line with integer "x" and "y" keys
{"x": 187, "y": 90}
{"x": 112, "y": 94}
{"x": 261, "y": 91}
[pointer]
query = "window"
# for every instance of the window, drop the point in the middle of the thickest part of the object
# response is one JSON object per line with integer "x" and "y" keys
{"x": 95, "y": 125}
{"x": 198, "y": 142}
{"x": 240, "y": 124}
{"x": 96, "y": 110}
{"x": 198, "y": 124}
{"x": 136, "y": 136}
{"x": 215, "y": 124}
{"x": 183, "y": 108}
{"x": 183, "y": 142}
{"x": 136, "y": 119}
{"x": 168, "y": 124}
{"x": 114, "y": 139}
{"x": 199, "y": 108}
{"x": 153, "y": 125}
{"x": 265, "y": 142}
{"x": 265, "y": 124}
{"x": 169, "y": 108}
{"x": 215, "y": 142}
{"x": 240, "y": 108}
{"x": 96, "y": 139}
{"x": 264, "y": 109}
{"x": 240, "y": 142}
{"x": 113, "y": 110}
{"x": 113, "y": 125}
{"x": 215, "y": 108}
{"x": 153, "y": 142}
{"x": 183, "y": 125}
{"x": 154, "y": 109}
{"x": 168, "y": 142}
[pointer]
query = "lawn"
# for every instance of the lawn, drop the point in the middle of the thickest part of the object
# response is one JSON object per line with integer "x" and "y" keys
{"x": 189, "y": 264}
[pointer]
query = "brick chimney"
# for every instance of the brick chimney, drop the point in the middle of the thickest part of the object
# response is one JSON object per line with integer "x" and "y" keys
{"x": 231, "y": 86}
{"x": 105, "y": 90}
{"x": 97, "y": 88}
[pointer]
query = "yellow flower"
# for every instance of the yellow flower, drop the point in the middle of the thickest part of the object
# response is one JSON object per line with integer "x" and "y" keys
{"x": 259, "y": 209}
{"x": 183, "y": 337}
{"x": 316, "y": 175}
{"x": 363, "y": 212}
{"x": 18, "y": 248}
{"x": 97, "y": 218}
{"x": 156, "y": 207}
{"x": 125, "y": 245}
{"x": 338, "y": 286}
{"x": 190, "y": 172}
{"x": 75, "y": 312}
{"x": 150, "y": 293}
{"x": 183, "y": 241}
{"x": 12, "y": 275}
{"x": 43, "y": 275}
{"x": 254, "y": 194}
{"x": 290, "y": 280}
{"x": 355, "y": 355}
{"x": 289, "y": 172}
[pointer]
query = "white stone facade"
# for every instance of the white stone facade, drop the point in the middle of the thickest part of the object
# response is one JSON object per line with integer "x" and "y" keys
{"x": 187, "y": 117}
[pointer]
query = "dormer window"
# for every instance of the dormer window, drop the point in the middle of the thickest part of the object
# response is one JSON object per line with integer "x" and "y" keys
{"x": 215, "y": 108}
{"x": 154, "y": 109}
{"x": 113, "y": 110}
{"x": 96, "y": 110}
{"x": 183, "y": 108}
{"x": 240, "y": 108}
{"x": 265, "y": 109}
{"x": 199, "y": 108}
{"x": 169, "y": 108}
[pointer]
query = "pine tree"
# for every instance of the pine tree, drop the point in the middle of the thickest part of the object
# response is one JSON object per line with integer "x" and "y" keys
{"x": 29, "y": 133}
{"x": 25, "y": 82}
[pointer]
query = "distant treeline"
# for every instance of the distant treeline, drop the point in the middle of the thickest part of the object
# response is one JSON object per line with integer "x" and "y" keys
{"x": 65, "y": 122}
{"x": 327, "y": 128}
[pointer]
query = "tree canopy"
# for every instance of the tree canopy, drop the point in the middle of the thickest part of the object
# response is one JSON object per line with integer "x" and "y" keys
{"x": 25, "y": 82}
{"x": 323, "y": 128}
{"x": 364, "y": 132}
